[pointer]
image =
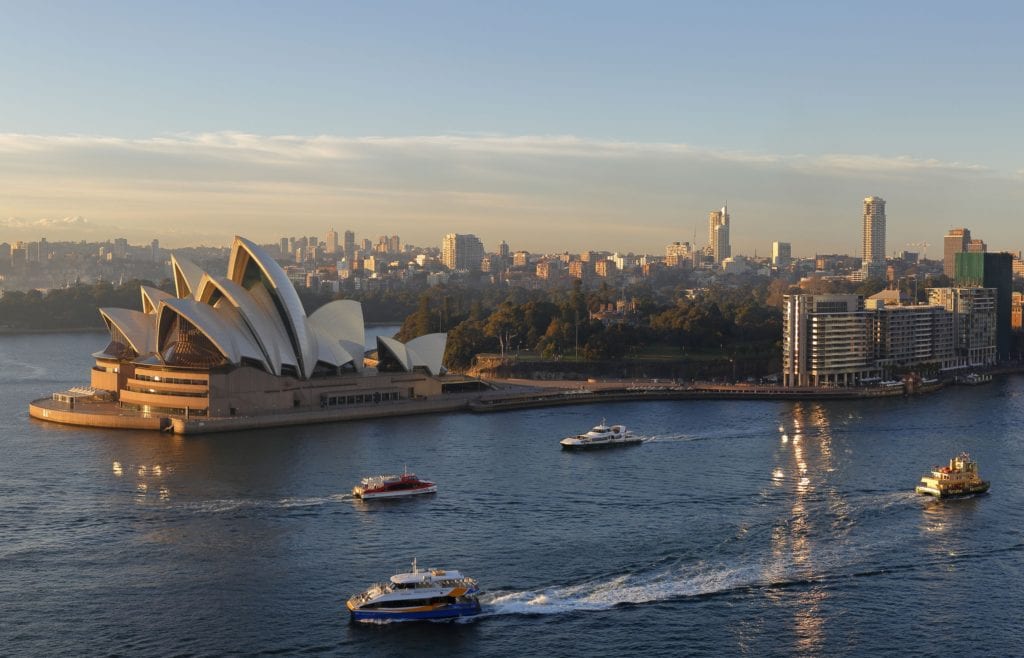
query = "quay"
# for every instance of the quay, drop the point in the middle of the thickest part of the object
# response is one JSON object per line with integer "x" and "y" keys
{"x": 502, "y": 395}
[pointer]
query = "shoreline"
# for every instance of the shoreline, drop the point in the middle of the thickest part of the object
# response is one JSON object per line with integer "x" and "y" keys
{"x": 504, "y": 396}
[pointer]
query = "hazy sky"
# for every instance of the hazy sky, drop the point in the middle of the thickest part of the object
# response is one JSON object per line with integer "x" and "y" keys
{"x": 552, "y": 125}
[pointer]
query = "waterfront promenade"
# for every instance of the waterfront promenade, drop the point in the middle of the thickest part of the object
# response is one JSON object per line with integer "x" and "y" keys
{"x": 502, "y": 395}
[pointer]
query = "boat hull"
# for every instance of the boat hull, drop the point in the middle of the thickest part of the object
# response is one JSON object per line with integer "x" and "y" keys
{"x": 369, "y": 495}
{"x": 441, "y": 611}
{"x": 601, "y": 444}
{"x": 956, "y": 492}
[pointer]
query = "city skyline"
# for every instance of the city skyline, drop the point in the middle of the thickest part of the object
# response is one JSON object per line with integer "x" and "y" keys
{"x": 573, "y": 127}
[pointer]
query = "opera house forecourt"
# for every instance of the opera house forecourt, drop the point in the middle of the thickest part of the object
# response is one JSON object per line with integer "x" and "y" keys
{"x": 236, "y": 352}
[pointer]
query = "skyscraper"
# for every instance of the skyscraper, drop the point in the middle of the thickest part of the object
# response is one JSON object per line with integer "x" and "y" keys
{"x": 462, "y": 252}
{"x": 990, "y": 271}
{"x": 955, "y": 242}
{"x": 874, "y": 236}
{"x": 350, "y": 246}
{"x": 782, "y": 253}
{"x": 331, "y": 241}
{"x": 718, "y": 234}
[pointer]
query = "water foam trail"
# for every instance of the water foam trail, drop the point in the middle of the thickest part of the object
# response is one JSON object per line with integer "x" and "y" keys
{"x": 666, "y": 438}
{"x": 675, "y": 582}
{"x": 236, "y": 504}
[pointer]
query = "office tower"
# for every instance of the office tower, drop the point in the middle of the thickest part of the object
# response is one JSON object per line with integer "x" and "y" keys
{"x": 503, "y": 250}
{"x": 367, "y": 246}
{"x": 955, "y": 242}
{"x": 154, "y": 250}
{"x": 874, "y": 236}
{"x": 782, "y": 253}
{"x": 350, "y": 246}
{"x": 977, "y": 246}
{"x": 990, "y": 271}
{"x": 331, "y": 241}
{"x": 120, "y": 248}
{"x": 282, "y": 245}
{"x": 462, "y": 252}
{"x": 394, "y": 245}
{"x": 718, "y": 234}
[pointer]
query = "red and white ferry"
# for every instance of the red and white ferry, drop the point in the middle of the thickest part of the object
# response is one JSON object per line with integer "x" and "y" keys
{"x": 392, "y": 486}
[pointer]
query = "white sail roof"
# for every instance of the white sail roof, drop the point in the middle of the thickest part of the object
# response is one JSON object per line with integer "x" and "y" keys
{"x": 137, "y": 328}
{"x": 249, "y": 260}
{"x": 151, "y": 298}
{"x": 254, "y": 314}
{"x": 186, "y": 277}
{"x": 262, "y": 321}
{"x": 223, "y": 329}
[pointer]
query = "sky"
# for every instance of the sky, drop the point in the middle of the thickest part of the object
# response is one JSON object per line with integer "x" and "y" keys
{"x": 551, "y": 125}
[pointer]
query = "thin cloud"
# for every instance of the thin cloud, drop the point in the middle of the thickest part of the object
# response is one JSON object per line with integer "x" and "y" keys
{"x": 311, "y": 150}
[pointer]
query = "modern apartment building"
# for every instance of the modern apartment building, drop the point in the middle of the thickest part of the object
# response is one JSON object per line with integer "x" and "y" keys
{"x": 462, "y": 252}
{"x": 874, "y": 236}
{"x": 995, "y": 270}
{"x": 841, "y": 340}
{"x": 827, "y": 340}
{"x": 718, "y": 234}
{"x": 974, "y": 322}
{"x": 906, "y": 336}
{"x": 678, "y": 253}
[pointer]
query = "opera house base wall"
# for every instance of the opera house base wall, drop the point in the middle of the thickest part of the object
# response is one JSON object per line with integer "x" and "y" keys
{"x": 100, "y": 414}
{"x": 109, "y": 415}
{"x": 382, "y": 410}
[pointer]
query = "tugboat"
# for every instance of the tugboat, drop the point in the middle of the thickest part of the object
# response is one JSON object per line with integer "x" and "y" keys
{"x": 601, "y": 436}
{"x": 960, "y": 478}
{"x": 430, "y": 594}
{"x": 392, "y": 486}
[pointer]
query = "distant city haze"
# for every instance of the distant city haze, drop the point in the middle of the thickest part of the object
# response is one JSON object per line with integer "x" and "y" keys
{"x": 574, "y": 126}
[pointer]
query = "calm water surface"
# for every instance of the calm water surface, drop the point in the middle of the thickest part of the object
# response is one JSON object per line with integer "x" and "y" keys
{"x": 754, "y": 528}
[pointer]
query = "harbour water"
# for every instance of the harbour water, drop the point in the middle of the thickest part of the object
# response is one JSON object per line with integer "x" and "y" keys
{"x": 748, "y": 528}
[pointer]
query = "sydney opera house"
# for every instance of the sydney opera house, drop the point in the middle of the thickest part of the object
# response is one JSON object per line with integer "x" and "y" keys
{"x": 242, "y": 345}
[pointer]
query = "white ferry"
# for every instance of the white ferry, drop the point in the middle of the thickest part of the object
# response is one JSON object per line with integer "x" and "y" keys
{"x": 419, "y": 594}
{"x": 392, "y": 486}
{"x": 601, "y": 436}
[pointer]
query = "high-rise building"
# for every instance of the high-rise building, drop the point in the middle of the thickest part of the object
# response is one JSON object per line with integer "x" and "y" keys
{"x": 974, "y": 322}
{"x": 991, "y": 271}
{"x": 955, "y": 242}
{"x": 394, "y": 245}
{"x": 782, "y": 253}
{"x": 827, "y": 340}
{"x": 462, "y": 252}
{"x": 331, "y": 241}
{"x": 874, "y": 236}
{"x": 154, "y": 250}
{"x": 977, "y": 246}
{"x": 503, "y": 250}
{"x": 350, "y": 246}
{"x": 678, "y": 253}
{"x": 718, "y": 234}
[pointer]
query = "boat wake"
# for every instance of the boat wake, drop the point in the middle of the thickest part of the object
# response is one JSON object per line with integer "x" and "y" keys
{"x": 675, "y": 582}
{"x": 243, "y": 504}
{"x": 667, "y": 438}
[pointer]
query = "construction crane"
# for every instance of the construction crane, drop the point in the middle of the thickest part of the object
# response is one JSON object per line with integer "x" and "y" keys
{"x": 923, "y": 246}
